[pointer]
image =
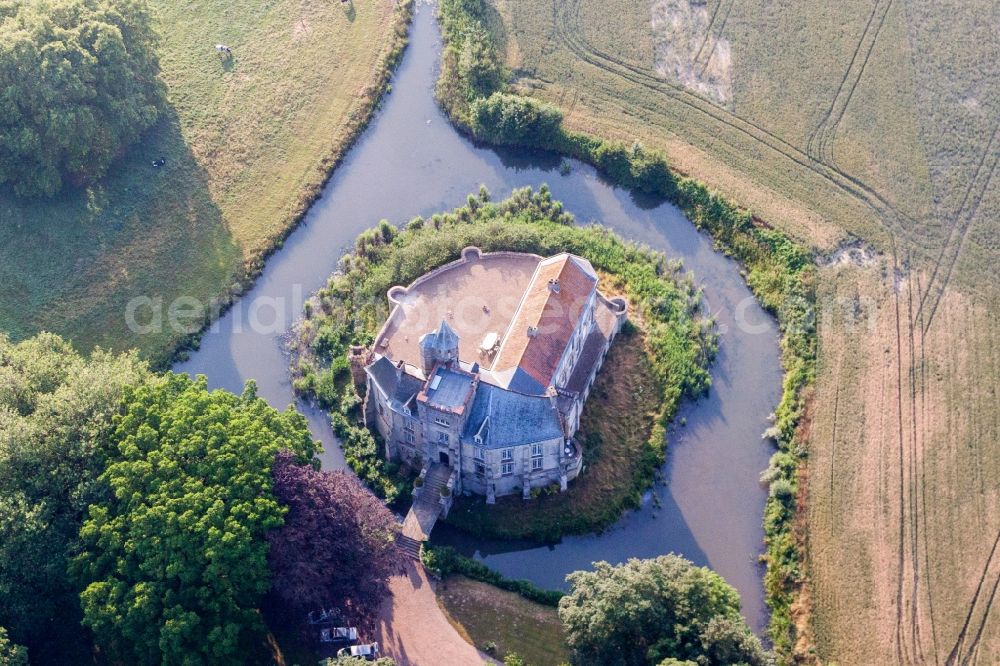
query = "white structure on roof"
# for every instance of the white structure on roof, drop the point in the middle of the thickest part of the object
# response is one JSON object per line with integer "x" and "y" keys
{"x": 484, "y": 365}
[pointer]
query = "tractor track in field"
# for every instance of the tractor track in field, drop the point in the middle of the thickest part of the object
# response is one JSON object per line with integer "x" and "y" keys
{"x": 708, "y": 30}
{"x": 718, "y": 36}
{"x": 986, "y": 590}
{"x": 959, "y": 229}
{"x": 917, "y": 506}
{"x": 901, "y": 491}
{"x": 833, "y": 434}
{"x": 567, "y": 21}
{"x": 820, "y": 142}
{"x": 923, "y": 481}
{"x": 911, "y": 493}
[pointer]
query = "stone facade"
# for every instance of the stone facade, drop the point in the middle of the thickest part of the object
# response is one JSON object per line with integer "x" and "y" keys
{"x": 493, "y": 389}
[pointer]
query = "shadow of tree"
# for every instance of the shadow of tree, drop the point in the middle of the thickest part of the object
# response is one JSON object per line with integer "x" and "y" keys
{"x": 71, "y": 264}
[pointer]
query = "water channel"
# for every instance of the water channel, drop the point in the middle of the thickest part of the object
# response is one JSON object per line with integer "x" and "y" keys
{"x": 409, "y": 162}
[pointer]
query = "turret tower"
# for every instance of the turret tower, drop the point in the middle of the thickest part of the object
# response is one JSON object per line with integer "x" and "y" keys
{"x": 440, "y": 346}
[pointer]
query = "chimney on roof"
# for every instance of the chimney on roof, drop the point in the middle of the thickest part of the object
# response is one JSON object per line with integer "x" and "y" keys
{"x": 554, "y": 285}
{"x": 532, "y": 331}
{"x": 399, "y": 370}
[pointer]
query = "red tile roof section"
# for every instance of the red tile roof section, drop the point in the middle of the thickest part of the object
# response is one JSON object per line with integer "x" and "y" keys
{"x": 554, "y": 314}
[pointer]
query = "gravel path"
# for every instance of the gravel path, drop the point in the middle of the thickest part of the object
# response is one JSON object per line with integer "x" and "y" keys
{"x": 414, "y": 631}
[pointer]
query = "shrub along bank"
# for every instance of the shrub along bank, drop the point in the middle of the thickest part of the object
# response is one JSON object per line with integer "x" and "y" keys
{"x": 473, "y": 92}
{"x": 353, "y": 305}
{"x": 445, "y": 561}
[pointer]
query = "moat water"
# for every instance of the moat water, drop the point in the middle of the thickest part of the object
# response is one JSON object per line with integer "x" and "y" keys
{"x": 409, "y": 162}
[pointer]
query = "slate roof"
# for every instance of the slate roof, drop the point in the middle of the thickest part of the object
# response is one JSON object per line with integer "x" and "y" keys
{"x": 514, "y": 419}
{"x": 399, "y": 388}
{"x": 593, "y": 347}
{"x": 553, "y": 315}
{"x": 444, "y": 339}
{"x": 516, "y": 379}
{"x": 452, "y": 390}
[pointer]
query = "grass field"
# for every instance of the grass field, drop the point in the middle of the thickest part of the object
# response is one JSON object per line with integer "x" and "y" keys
{"x": 868, "y": 120}
{"x": 485, "y": 614}
{"x": 247, "y": 143}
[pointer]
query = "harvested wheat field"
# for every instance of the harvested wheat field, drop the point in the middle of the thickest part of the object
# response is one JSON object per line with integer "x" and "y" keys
{"x": 865, "y": 125}
{"x": 903, "y": 478}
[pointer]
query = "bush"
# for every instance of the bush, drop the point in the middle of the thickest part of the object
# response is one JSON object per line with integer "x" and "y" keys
{"x": 516, "y": 120}
{"x": 473, "y": 65}
{"x": 513, "y": 659}
{"x": 80, "y": 81}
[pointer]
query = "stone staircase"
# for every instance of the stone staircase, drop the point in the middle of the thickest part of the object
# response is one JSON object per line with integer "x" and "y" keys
{"x": 410, "y": 547}
{"x": 425, "y": 510}
{"x": 436, "y": 479}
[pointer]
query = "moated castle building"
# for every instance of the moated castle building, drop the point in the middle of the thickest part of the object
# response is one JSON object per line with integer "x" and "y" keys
{"x": 484, "y": 365}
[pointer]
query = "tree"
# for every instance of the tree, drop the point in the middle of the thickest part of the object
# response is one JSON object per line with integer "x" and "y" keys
{"x": 56, "y": 412}
{"x": 175, "y": 558}
{"x": 649, "y": 611}
{"x": 79, "y": 81}
{"x": 11, "y": 654}
{"x": 336, "y": 547}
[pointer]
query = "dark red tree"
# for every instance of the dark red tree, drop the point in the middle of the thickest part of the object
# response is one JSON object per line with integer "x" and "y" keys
{"x": 336, "y": 548}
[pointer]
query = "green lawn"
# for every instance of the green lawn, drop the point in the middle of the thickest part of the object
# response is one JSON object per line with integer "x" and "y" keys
{"x": 247, "y": 144}
{"x": 485, "y": 614}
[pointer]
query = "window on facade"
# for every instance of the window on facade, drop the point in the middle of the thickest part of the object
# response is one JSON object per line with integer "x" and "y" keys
{"x": 536, "y": 449}
{"x": 408, "y": 434}
{"x": 441, "y": 421}
{"x": 480, "y": 453}
{"x": 536, "y": 463}
{"x": 507, "y": 469}
{"x": 507, "y": 454}
{"x": 480, "y": 469}
{"x": 443, "y": 437}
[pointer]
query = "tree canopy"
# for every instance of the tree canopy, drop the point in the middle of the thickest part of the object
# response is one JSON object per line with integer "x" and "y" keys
{"x": 55, "y": 417}
{"x": 79, "y": 80}
{"x": 10, "y": 653}
{"x": 336, "y": 547}
{"x": 175, "y": 559}
{"x": 652, "y": 611}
